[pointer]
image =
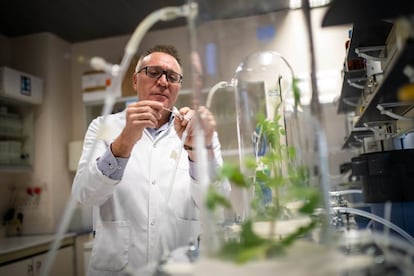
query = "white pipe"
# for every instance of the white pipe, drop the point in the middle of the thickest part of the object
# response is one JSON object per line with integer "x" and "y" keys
{"x": 164, "y": 14}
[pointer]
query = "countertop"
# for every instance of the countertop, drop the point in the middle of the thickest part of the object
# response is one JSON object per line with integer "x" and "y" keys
{"x": 13, "y": 248}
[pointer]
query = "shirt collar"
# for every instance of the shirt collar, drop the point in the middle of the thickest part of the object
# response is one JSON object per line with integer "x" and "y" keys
{"x": 156, "y": 131}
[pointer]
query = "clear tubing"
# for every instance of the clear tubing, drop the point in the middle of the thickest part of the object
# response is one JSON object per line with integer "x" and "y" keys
{"x": 167, "y": 13}
{"x": 396, "y": 250}
{"x": 70, "y": 207}
{"x": 213, "y": 90}
{"x": 171, "y": 185}
{"x": 324, "y": 176}
{"x": 377, "y": 219}
{"x": 345, "y": 192}
{"x": 202, "y": 166}
{"x": 387, "y": 216}
{"x": 164, "y": 14}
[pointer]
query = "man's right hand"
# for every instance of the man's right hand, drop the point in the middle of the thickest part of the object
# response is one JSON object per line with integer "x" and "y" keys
{"x": 139, "y": 115}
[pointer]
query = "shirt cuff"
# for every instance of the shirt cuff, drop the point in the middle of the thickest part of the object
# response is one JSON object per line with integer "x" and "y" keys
{"x": 192, "y": 169}
{"x": 111, "y": 166}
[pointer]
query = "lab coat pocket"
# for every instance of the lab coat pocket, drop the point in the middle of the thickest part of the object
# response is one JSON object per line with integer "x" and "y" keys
{"x": 187, "y": 230}
{"x": 110, "y": 250}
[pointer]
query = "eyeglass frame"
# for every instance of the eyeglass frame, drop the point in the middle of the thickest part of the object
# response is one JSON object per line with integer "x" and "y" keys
{"x": 163, "y": 72}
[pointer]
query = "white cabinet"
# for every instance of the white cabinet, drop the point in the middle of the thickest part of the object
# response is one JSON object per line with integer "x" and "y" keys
{"x": 20, "y": 86}
{"x": 16, "y": 135}
{"x": 24, "y": 267}
{"x": 63, "y": 265}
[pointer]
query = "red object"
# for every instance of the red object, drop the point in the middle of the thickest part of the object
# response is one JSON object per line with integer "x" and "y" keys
{"x": 37, "y": 190}
{"x": 29, "y": 191}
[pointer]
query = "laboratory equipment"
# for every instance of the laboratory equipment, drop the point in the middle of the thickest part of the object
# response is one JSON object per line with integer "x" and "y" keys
{"x": 262, "y": 83}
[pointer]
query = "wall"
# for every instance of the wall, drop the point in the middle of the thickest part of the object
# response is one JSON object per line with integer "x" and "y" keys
{"x": 46, "y": 56}
{"x": 5, "y": 50}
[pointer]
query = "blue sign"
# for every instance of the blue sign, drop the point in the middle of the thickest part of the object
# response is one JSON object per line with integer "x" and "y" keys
{"x": 25, "y": 86}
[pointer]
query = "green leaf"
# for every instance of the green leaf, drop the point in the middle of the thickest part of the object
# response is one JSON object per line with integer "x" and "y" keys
{"x": 214, "y": 199}
{"x": 296, "y": 92}
{"x": 234, "y": 175}
{"x": 247, "y": 237}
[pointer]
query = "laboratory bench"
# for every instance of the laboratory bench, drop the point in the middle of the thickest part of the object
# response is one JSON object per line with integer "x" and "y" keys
{"x": 24, "y": 255}
{"x": 18, "y": 247}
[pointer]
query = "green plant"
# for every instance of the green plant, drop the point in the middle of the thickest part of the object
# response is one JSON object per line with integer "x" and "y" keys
{"x": 288, "y": 180}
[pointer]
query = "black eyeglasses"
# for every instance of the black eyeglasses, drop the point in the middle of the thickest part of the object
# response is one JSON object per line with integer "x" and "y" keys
{"x": 155, "y": 72}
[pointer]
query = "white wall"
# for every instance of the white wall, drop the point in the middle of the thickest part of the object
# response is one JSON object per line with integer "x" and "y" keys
{"x": 45, "y": 55}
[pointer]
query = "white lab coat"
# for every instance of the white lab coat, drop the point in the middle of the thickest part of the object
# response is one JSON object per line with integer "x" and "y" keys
{"x": 131, "y": 218}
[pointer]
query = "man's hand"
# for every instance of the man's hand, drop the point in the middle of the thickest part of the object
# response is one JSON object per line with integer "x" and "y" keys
{"x": 207, "y": 122}
{"x": 139, "y": 115}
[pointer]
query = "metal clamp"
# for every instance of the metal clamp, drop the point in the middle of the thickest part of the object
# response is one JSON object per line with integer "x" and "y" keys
{"x": 363, "y": 52}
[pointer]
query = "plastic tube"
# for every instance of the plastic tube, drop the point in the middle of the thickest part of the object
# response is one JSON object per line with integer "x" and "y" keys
{"x": 377, "y": 219}
{"x": 345, "y": 192}
{"x": 171, "y": 185}
{"x": 213, "y": 90}
{"x": 164, "y": 14}
{"x": 322, "y": 145}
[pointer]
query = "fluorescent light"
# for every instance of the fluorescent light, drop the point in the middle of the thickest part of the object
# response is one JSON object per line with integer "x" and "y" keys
{"x": 296, "y": 4}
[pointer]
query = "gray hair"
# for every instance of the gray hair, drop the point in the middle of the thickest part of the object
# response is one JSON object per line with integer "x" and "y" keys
{"x": 168, "y": 49}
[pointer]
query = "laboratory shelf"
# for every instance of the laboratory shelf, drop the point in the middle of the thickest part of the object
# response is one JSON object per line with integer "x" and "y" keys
{"x": 350, "y": 95}
{"x": 367, "y": 35}
{"x": 386, "y": 91}
{"x": 355, "y": 137}
{"x": 363, "y": 35}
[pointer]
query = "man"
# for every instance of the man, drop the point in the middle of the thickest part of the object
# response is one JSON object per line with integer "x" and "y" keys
{"x": 145, "y": 204}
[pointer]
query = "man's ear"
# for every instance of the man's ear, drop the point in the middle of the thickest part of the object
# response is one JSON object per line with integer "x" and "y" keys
{"x": 135, "y": 81}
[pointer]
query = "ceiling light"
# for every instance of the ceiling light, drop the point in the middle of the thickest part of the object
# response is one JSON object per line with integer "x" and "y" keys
{"x": 296, "y": 4}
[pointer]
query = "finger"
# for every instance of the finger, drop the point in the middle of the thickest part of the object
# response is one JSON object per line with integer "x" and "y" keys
{"x": 143, "y": 116}
{"x": 144, "y": 107}
{"x": 153, "y": 104}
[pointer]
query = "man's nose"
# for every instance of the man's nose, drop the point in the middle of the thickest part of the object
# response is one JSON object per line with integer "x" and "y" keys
{"x": 163, "y": 79}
